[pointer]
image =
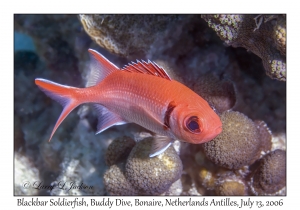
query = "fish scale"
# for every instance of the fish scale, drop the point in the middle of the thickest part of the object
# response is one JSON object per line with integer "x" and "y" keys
{"x": 129, "y": 95}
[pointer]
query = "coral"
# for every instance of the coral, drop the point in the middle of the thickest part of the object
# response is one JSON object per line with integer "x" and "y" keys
{"x": 278, "y": 141}
{"x": 226, "y": 26}
{"x": 77, "y": 178}
{"x": 265, "y": 136}
{"x": 258, "y": 96}
{"x": 118, "y": 150}
{"x": 116, "y": 183}
{"x": 49, "y": 156}
{"x": 230, "y": 185}
{"x": 276, "y": 69}
{"x": 256, "y": 33}
{"x": 280, "y": 35}
{"x": 121, "y": 34}
{"x": 175, "y": 189}
{"x": 25, "y": 175}
{"x": 270, "y": 176}
{"x": 84, "y": 158}
{"x": 230, "y": 188}
{"x": 193, "y": 191}
{"x": 68, "y": 175}
{"x": 238, "y": 144}
{"x": 210, "y": 179}
{"x": 141, "y": 175}
{"x": 188, "y": 185}
{"x": 185, "y": 50}
{"x": 220, "y": 94}
{"x": 154, "y": 175}
{"x": 207, "y": 179}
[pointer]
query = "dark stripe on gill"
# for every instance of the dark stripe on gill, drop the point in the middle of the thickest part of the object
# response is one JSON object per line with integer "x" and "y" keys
{"x": 168, "y": 112}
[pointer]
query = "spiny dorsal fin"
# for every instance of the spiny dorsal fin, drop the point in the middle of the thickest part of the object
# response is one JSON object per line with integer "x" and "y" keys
{"x": 100, "y": 68}
{"x": 149, "y": 67}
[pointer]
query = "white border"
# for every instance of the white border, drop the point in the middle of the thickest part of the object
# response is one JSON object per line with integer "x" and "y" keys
{"x": 154, "y": 6}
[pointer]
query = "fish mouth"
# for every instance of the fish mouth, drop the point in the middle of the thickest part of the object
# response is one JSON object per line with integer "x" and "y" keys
{"x": 213, "y": 134}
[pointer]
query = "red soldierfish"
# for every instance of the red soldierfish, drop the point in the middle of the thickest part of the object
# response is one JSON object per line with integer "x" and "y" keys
{"x": 140, "y": 93}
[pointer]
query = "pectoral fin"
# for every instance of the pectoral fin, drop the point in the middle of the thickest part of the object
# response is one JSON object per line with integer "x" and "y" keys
{"x": 160, "y": 144}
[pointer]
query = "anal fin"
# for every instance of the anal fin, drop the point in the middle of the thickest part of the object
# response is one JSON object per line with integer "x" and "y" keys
{"x": 160, "y": 144}
{"x": 106, "y": 118}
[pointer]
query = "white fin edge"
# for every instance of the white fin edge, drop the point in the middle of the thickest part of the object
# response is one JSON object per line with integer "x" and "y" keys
{"x": 160, "y": 144}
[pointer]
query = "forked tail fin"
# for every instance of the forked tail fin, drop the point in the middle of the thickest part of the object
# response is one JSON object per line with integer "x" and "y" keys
{"x": 67, "y": 96}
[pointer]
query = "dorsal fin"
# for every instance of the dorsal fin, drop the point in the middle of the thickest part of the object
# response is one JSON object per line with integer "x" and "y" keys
{"x": 149, "y": 67}
{"x": 100, "y": 68}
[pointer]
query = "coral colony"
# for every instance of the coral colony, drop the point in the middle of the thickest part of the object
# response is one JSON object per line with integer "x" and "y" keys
{"x": 243, "y": 82}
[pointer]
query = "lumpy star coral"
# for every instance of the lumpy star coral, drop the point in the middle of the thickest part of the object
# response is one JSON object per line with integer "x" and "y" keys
{"x": 138, "y": 174}
{"x": 265, "y": 136}
{"x": 238, "y": 144}
{"x": 118, "y": 150}
{"x": 264, "y": 35}
{"x": 114, "y": 179}
{"x": 152, "y": 175}
{"x": 220, "y": 94}
{"x": 116, "y": 182}
{"x": 270, "y": 176}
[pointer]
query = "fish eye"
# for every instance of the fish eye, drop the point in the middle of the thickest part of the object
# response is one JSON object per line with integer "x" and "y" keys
{"x": 193, "y": 125}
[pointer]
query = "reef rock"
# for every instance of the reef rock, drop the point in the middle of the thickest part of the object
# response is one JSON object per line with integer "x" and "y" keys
{"x": 264, "y": 35}
{"x": 126, "y": 35}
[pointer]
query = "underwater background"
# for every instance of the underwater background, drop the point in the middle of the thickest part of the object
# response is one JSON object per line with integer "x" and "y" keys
{"x": 236, "y": 62}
